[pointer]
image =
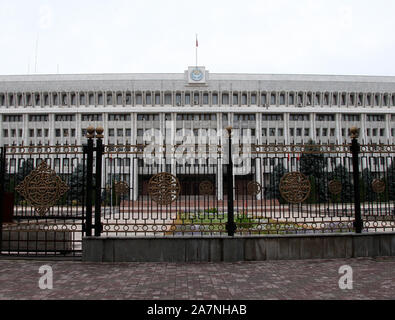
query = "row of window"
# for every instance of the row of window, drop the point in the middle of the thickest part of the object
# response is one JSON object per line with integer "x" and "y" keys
{"x": 266, "y": 132}
{"x": 375, "y": 132}
{"x": 195, "y": 117}
{"x": 197, "y": 98}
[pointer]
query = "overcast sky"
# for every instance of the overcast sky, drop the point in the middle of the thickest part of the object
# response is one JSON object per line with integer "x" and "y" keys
{"x": 248, "y": 36}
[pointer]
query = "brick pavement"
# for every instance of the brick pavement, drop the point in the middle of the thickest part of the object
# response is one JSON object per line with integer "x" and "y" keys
{"x": 303, "y": 279}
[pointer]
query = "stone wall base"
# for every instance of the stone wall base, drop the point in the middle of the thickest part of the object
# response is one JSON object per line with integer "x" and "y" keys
{"x": 240, "y": 248}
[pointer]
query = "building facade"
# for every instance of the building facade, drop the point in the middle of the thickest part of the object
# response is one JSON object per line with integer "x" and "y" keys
{"x": 57, "y": 109}
{"x": 271, "y": 109}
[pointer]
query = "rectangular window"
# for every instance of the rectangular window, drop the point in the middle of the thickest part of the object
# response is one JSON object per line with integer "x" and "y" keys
{"x": 120, "y": 132}
{"x": 119, "y": 117}
{"x": 351, "y": 117}
{"x": 38, "y": 118}
{"x": 334, "y": 99}
{"x": 375, "y": 117}
{"x": 12, "y": 118}
{"x": 299, "y": 132}
{"x": 187, "y": 98}
{"x": 110, "y": 132}
{"x": 273, "y": 99}
{"x": 92, "y": 117}
{"x": 5, "y": 133}
{"x": 225, "y": 98}
{"x": 343, "y": 99}
{"x": 168, "y": 98}
{"x": 253, "y": 98}
{"x": 299, "y": 117}
{"x": 196, "y": 98}
{"x": 82, "y": 99}
{"x": 215, "y": 98}
{"x": 205, "y": 98}
{"x": 325, "y": 117}
{"x": 119, "y": 99}
{"x": 109, "y": 98}
{"x": 282, "y": 99}
{"x": 64, "y": 117}
{"x": 128, "y": 99}
{"x": 178, "y": 99}
{"x": 100, "y": 99}
{"x": 157, "y": 98}
{"x": 264, "y": 132}
{"x": 263, "y": 98}
{"x": 235, "y": 99}
{"x": 139, "y": 99}
{"x": 291, "y": 99}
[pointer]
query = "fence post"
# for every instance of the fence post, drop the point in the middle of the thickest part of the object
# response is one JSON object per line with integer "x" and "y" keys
{"x": 355, "y": 148}
{"x": 2, "y": 190}
{"x": 230, "y": 225}
{"x": 89, "y": 177}
{"x": 99, "y": 155}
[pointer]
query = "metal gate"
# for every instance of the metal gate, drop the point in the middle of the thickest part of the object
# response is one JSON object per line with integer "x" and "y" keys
{"x": 43, "y": 200}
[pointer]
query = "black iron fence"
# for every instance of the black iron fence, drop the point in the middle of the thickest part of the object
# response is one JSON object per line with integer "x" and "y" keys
{"x": 42, "y": 200}
{"x": 59, "y": 194}
{"x": 259, "y": 189}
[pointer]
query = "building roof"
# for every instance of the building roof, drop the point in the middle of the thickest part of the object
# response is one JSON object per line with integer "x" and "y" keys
{"x": 178, "y": 81}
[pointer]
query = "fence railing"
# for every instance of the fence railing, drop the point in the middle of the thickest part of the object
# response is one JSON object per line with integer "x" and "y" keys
{"x": 61, "y": 193}
{"x": 271, "y": 189}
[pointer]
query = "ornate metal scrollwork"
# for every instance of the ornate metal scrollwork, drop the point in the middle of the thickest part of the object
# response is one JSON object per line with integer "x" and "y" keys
{"x": 121, "y": 187}
{"x": 42, "y": 188}
{"x": 254, "y": 188}
{"x": 206, "y": 187}
{"x": 164, "y": 188}
{"x": 378, "y": 186}
{"x": 295, "y": 187}
{"x": 335, "y": 187}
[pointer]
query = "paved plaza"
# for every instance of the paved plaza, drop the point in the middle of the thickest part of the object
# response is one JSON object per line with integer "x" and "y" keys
{"x": 303, "y": 279}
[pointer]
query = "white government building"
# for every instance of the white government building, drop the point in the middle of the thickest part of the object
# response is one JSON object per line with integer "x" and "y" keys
{"x": 283, "y": 109}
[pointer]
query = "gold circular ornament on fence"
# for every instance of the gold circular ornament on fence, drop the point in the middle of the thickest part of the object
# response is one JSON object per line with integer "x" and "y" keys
{"x": 206, "y": 188}
{"x": 335, "y": 187}
{"x": 121, "y": 187}
{"x": 294, "y": 187}
{"x": 164, "y": 188}
{"x": 254, "y": 188}
{"x": 378, "y": 186}
{"x": 42, "y": 188}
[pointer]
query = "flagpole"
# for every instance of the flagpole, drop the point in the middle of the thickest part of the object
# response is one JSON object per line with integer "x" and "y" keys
{"x": 196, "y": 51}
